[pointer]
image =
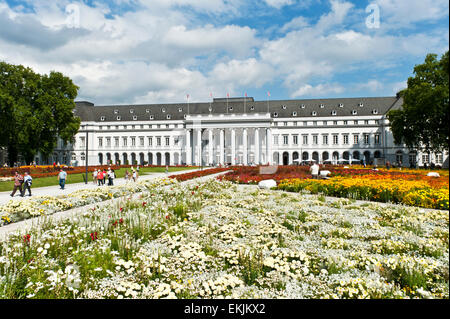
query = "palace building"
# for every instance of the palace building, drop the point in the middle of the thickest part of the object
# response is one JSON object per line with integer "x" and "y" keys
{"x": 240, "y": 131}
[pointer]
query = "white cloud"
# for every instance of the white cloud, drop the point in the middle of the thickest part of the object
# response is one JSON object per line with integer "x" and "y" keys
{"x": 164, "y": 50}
{"x": 400, "y": 13}
{"x": 279, "y": 3}
{"x": 318, "y": 90}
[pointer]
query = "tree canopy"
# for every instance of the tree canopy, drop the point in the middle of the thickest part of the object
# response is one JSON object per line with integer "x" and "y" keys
{"x": 35, "y": 110}
{"x": 422, "y": 122}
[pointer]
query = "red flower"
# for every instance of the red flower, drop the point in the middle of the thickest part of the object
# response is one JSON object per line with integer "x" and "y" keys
{"x": 94, "y": 236}
{"x": 121, "y": 220}
{"x": 144, "y": 203}
{"x": 167, "y": 217}
{"x": 26, "y": 238}
{"x": 121, "y": 209}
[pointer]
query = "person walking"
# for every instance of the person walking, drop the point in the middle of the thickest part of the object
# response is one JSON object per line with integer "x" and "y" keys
{"x": 134, "y": 176}
{"x": 27, "y": 181}
{"x": 111, "y": 177}
{"x": 18, "y": 181}
{"x": 104, "y": 176}
{"x": 100, "y": 177}
{"x": 314, "y": 171}
{"x": 62, "y": 178}
{"x": 127, "y": 176}
{"x": 94, "y": 176}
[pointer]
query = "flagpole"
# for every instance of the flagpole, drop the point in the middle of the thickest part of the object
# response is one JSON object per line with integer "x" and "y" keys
{"x": 268, "y": 107}
{"x": 245, "y": 98}
{"x": 188, "y": 102}
{"x": 210, "y": 107}
{"x": 227, "y": 101}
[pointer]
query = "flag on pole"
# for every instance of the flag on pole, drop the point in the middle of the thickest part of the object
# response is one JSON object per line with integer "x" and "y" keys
{"x": 210, "y": 94}
{"x": 268, "y": 93}
{"x": 245, "y": 94}
{"x": 187, "y": 96}
{"x": 228, "y": 94}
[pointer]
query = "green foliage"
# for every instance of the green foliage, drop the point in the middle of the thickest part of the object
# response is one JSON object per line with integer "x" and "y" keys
{"x": 422, "y": 122}
{"x": 35, "y": 110}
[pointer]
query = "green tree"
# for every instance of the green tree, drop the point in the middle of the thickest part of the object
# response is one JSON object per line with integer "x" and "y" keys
{"x": 35, "y": 110}
{"x": 422, "y": 122}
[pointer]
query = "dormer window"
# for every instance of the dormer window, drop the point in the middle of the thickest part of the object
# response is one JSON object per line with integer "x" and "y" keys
{"x": 116, "y": 111}
{"x": 185, "y": 116}
{"x": 252, "y": 108}
{"x": 147, "y": 111}
{"x": 294, "y": 113}
{"x": 134, "y": 117}
{"x": 102, "y": 118}
{"x": 341, "y": 105}
{"x": 275, "y": 114}
{"x": 354, "y": 112}
{"x": 118, "y": 118}
{"x": 231, "y": 108}
{"x": 313, "y": 113}
{"x": 322, "y": 106}
{"x": 131, "y": 111}
{"x": 333, "y": 112}
{"x": 284, "y": 107}
{"x": 180, "y": 109}
{"x": 361, "y": 104}
{"x": 303, "y": 106}
{"x": 163, "y": 110}
{"x": 152, "y": 117}
{"x": 375, "y": 111}
{"x": 169, "y": 116}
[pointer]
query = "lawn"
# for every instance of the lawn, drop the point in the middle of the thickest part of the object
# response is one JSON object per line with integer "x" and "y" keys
{"x": 79, "y": 178}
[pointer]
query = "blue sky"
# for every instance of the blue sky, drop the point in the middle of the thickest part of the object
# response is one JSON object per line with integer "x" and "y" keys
{"x": 157, "y": 51}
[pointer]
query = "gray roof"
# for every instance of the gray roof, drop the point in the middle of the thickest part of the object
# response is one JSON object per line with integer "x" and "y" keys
{"x": 278, "y": 108}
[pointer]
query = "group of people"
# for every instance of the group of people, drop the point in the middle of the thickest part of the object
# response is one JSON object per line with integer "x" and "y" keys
{"x": 22, "y": 183}
{"x": 133, "y": 175}
{"x": 99, "y": 176}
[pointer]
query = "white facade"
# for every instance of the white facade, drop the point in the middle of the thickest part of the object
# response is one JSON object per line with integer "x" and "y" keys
{"x": 257, "y": 138}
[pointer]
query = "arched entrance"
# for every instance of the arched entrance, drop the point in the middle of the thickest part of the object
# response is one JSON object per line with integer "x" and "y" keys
{"x": 285, "y": 158}
{"x": 158, "y": 159}
{"x": 167, "y": 158}
{"x": 315, "y": 157}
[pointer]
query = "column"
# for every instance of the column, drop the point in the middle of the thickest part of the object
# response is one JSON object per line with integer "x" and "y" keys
{"x": 245, "y": 146}
{"x": 188, "y": 148}
{"x": 222, "y": 147}
{"x": 198, "y": 153}
{"x": 210, "y": 147}
{"x": 257, "y": 160}
{"x": 233, "y": 146}
{"x": 269, "y": 157}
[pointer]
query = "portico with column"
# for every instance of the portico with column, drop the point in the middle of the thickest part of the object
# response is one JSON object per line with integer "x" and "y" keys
{"x": 233, "y": 134}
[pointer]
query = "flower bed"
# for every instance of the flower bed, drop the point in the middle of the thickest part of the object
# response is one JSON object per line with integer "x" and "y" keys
{"x": 17, "y": 210}
{"x": 386, "y": 189}
{"x": 398, "y": 186}
{"x": 196, "y": 174}
{"x": 221, "y": 240}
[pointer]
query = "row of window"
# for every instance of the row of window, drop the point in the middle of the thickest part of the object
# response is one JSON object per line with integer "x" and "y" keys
{"x": 333, "y": 113}
{"x": 303, "y": 106}
{"x": 133, "y": 127}
{"x": 115, "y": 141}
{"x": 304, "y": 123}
{"x": 327, "y": 123}
{"x": 335, "y": 139}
